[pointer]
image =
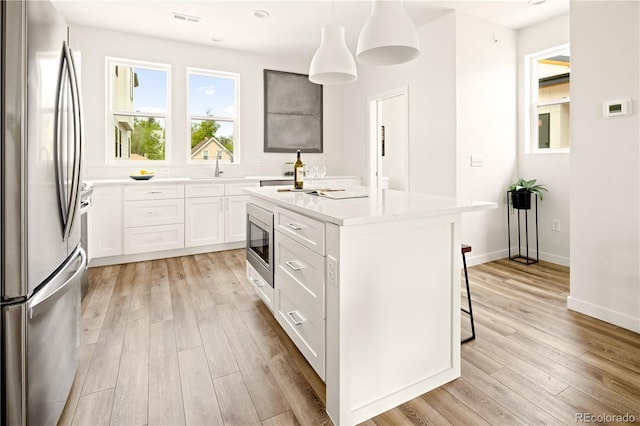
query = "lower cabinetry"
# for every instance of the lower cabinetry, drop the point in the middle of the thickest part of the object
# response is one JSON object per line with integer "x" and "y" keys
{"x": 149, "y": 217}
{"x": 264, "y": 290}
{"x": 143, "y": 239}
{"x": 215, "y": 213}
{"x": 106, "y": 221}
{"x": 300, "y": 284}
{"x": 153, "y": 218}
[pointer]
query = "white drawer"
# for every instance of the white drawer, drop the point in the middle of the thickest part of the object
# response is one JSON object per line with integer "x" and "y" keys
{"x": 264, "y": 290}
{"x": 305, "y": 230}
{"x": 153, "y": 212}
{"x": 147, "y": 191}
{"x": 238, "y": 188}
{"x": 204, "y": 190}
{"x": 304, "y": 327}
{"x": 153, "y": 238}
{"x": 300, "y": 271}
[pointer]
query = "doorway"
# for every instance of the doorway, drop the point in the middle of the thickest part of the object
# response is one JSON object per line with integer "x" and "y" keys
{"x": 389, "y": 140}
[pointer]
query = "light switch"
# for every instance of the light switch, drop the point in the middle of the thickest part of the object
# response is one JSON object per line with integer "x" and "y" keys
{"x": 477, "y": 161}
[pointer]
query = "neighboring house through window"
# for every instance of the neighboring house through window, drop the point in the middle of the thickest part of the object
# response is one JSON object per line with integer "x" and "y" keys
{"x": 212, "y": 114}
{"x": 138, "y": 110}
{"x": 547, "y": 102}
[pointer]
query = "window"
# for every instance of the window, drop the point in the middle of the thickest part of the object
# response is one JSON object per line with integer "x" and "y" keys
{"x": 547, "y": 102}
{"x": 138, "y": 110}
{"x": 212, "y": 115}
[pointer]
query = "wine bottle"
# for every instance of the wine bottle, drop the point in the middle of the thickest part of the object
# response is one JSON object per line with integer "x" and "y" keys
{"x": 298, "y": 171}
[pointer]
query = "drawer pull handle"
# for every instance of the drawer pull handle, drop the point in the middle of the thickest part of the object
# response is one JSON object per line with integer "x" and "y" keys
{"x": 257, "y": 283}
{"x": 293, "y": 266}
{"x": 293, "y": 226}
{"x": 154, "y": 192}
{"x": 298, "y": 321}
{"x": 155, "y": 212}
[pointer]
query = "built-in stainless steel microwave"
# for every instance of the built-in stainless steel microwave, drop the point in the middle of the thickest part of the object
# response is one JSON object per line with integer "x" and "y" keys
{"x": 260, "y": 241}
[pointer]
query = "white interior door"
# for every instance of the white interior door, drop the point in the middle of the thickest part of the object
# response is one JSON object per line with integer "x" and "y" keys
{"x": 389, "y": 130}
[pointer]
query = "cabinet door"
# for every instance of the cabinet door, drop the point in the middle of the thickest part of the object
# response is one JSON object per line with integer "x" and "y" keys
{"x": 236, "y": 218}
{"x": 106, "y": 221}
{"x": 204, "y": 221}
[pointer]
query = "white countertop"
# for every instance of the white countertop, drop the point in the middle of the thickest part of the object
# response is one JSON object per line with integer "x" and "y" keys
{"x": 167, "y": 180}
{"x": 379, "y": 205}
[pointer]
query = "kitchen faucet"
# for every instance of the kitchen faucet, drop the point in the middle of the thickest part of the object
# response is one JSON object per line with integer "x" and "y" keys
{"x": 218, "y": 156}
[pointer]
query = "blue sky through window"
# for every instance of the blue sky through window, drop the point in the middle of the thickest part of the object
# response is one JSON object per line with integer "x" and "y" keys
{"x": 209, "y": 95}
{"x": 151, "y": 93}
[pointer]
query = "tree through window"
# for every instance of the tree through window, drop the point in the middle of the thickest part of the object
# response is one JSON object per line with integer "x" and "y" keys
{"x": 212, "y": 110}
{"x": 138, "y": 109}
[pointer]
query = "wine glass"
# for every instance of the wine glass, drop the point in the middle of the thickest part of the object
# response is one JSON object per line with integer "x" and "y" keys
{"x": 322, "y": 171}
{"x": 313, "y": 172}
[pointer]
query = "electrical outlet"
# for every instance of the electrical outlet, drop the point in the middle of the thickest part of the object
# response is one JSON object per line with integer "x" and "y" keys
{"x": 164, "y": 171}
{"x": 555, "y": 225}
{"x": 332, "y": 270}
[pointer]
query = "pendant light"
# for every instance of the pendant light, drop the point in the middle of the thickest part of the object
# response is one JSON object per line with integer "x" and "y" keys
{"x": 388, "y": 37}
{"x": 333, "y": 63}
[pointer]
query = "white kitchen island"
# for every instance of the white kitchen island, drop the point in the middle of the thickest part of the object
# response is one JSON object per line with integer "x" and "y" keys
{"x": 369, "y": 290}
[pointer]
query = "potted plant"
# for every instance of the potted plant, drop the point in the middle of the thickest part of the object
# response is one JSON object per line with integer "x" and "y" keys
{"x": 521, "y": 192}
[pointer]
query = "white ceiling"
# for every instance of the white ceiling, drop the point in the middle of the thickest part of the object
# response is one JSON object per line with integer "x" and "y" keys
{"x": 293, "y": 27}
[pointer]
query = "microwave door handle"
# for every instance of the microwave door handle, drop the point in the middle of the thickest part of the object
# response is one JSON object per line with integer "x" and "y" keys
{"x": 57, "y": 142}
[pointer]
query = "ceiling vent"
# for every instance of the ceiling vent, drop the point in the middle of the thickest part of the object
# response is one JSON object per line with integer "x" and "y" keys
{"x": 188, "y": 18}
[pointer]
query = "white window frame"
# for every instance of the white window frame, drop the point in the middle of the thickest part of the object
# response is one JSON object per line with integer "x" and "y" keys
{"x": 109, "y": 113}
{"x": 235, "y": 119}
{"x": 531, "y": 103}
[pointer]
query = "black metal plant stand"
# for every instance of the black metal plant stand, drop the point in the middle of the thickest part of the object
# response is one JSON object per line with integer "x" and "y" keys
{"x": 520, "y": 257}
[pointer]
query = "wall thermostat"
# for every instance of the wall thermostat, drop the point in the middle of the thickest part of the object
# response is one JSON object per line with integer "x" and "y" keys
{"x": 617, "y": 108}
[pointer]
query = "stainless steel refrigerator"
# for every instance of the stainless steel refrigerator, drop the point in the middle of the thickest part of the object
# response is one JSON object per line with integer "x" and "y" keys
{"x": 42, "y": 262}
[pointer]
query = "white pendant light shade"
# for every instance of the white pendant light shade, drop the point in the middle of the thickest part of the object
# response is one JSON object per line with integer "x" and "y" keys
{"x": 333, "y": 63}
{"x": 388, "y": 37}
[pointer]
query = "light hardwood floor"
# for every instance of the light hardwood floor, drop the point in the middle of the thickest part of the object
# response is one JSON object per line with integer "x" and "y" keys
{"x": 186, "y": 341}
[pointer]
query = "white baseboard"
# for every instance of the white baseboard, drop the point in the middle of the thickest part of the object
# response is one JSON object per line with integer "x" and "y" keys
{"x": 553, "y": 258}
{"x": 479, "y": 259}
{"x": 605, "y": 314}
{"x": 502, "y": 254}
{"x": 140, "y": 257}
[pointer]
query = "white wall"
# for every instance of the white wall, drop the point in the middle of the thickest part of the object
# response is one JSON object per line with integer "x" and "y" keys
{"x": 486, "y": 126}
{"x": 462, "y": 95}
{"x": 95, "y": 44}
{"x": 552, "y": 170}
{"x": 605, "y": 159}
{"x": 431, "y": 82}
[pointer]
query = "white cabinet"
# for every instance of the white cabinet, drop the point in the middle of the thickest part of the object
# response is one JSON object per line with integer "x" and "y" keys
{"x": 106, "y": 221}
{"x": 235, "y": 218}
{"x": 153, "y": 218}
{"x": 264, "y": 290}
{"x": 204, "y": 223}
{"x": 300, "y": 283}
{"x": 140, "y": 218}
{"x": 215, "y": 213}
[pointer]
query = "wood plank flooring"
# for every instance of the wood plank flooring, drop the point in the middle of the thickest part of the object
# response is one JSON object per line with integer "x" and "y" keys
{"x": 186, "y": 341}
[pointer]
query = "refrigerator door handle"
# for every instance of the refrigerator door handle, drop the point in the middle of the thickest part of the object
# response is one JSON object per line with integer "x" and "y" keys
{"x": 75, "y": 179}
{"x": 77, "y": 139}
{"x": 60, "y": 284}
{"x": 68, "y": 201}
{"x": 57, "y": 144}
